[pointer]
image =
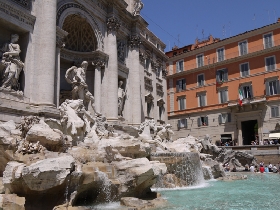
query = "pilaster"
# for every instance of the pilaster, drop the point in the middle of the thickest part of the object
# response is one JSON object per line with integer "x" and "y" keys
{"x": 112, "y": 70}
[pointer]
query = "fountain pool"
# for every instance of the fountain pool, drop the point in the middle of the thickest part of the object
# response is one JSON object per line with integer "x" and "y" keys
{"x": 259, "y": 191}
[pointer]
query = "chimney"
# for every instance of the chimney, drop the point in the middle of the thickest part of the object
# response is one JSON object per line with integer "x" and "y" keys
{"x": 278, "y": 21}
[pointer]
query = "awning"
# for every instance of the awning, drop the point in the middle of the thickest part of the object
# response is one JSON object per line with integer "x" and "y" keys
{"x": 274, "y": 135}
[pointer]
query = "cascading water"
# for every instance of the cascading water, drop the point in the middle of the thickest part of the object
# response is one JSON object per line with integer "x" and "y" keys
{"x": 207, "y": 173}
{"x": 183, "y": 169}
{"x": 106, "y": 185}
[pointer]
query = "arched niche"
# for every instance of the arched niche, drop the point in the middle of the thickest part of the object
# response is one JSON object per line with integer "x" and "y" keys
{"x": 69, "y": 9}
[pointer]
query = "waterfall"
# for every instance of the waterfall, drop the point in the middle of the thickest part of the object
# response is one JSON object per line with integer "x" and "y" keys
{"x": 106, "y": 185}
{"x": 207, "y": 173}
{"x": 183, "y": 169}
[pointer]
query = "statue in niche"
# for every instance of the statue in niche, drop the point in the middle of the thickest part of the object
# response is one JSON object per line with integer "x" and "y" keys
{"x": 12, "y": 64}
{"x": 121, "y": 98}
{"x": 77, "y": 78}
{"x": 138, "y": 5}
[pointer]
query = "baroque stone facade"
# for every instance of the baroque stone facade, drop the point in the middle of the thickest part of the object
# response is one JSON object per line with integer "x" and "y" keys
{"x": 110, "y": 36}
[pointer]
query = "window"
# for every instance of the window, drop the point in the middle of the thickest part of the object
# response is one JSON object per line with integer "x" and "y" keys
{"x": 247, "y": 91}
{"x": 147, "y": 63}
{"x": 200, "y": 80}
{"x": 201, "y": 99}
{"x": 272, "y": 87}
{"x": 161, "y": 110}
{"x": 224, "y": 118}
{"x": 181, "y": 85}
{"x": 220, "y": 54}
{"x": 158, "y": 72}
{"x": 222, "y": 75}
{"x": 182, "y": 103}
{"x": 274, "y": 111}
{"x": 267, "y": 40}
{"x": 199, "y": 60}
{"x": 179, "y": 66}
{"x": 270, "y": 63}
{"x": 202, "y": 121}
{"x": 149, "y": 108}
{"x": 223, "y": 94}
{"x": 182, "y": 123}
{"x": 243, "y": 48}
{"x": 244, "y": 69}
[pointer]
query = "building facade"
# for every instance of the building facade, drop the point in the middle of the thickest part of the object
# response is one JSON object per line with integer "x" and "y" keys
{"x": 126, "y": 71}
{"x": 226, "y": 88}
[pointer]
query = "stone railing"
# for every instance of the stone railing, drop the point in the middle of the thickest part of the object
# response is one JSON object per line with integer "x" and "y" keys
{"x": 256, "y": 149}
{"x": 250, "y": 101}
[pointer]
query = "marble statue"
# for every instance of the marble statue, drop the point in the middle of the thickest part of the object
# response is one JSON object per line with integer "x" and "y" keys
{"x": 138, "y": 5}
{"x": 77, "y": 78}
{"x": 12, "y": 64}
{"x": 164, "y": 133}
{"x": 121, "y": 98}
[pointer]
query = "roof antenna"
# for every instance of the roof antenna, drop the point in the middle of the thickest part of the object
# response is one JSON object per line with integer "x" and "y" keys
{"x": 254, "y": 19}
{"x": 229, "y": 29}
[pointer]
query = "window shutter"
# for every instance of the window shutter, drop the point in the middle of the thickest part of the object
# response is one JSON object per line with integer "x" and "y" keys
{"x": 251, "y": 91}
{"x": 267, "y": 88}
{"x": 272, "y": 63}
{"x": 220, "y": 119}
{"x": 221, "y": 96}
{"x": 225, "y": 75}
{"x": 203, "y": 100}
{"x": 206, "y": 120}
{"x": 177, "y": 67}
{"x": 277, "y": 111}
{"x": 217, "y": 76}
{"x": 277, "y": 87}
{"x": 199, "y": 122}
{"x": 229, "y": 117}
{"x": 184, "y": 84}
{"x": 177, "y": 85}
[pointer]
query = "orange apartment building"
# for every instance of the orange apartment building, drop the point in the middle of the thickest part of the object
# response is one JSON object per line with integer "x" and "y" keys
{"x": 205, "y": 79}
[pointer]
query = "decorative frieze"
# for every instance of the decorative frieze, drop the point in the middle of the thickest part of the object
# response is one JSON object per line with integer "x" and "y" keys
{"x": 60, "y": 36}
{"x": 24, "y": 3}
{"x": 113, "y": 24}
{"x": 99, "y": 58}
{"x": 134, "y": 41}
{"x": 10, "y": 12}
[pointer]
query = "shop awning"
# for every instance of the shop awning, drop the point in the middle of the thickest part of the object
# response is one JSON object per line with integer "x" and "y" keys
{"x": 274, "y": 135}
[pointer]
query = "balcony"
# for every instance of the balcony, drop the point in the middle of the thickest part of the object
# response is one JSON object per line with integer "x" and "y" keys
{"x": 253, "y": 102}
{"x": 213, "y": 60}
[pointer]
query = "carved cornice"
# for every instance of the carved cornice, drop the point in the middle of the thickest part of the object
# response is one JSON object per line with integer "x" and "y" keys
{"x": 60, "y": 35}
{"x": 99, "y": 58}
{"x": 75, "y": 56}
{"x": 10, "y": 11}
{"x": 24, "y": 3}
{"x": 113, "y": 24}
{"x": 134, "y": 41}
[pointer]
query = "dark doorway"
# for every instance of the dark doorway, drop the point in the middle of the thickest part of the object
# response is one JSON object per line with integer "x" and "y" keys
{"x": 249, "y": 131}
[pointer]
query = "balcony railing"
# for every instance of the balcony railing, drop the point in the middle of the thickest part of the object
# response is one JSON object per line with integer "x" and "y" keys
{"x": 245, "y": 101}
{"x": 209, "y": 59}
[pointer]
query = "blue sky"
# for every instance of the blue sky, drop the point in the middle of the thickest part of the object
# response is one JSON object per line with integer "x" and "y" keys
{"x": 191, "y": 19}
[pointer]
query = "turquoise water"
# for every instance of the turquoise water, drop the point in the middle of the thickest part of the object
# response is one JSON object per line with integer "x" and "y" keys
{"x": 259, "y": 191}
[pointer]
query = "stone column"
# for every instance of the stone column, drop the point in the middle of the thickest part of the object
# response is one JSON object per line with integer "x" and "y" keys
{"x": 112, "y": 74}
{"x": 134, "y": 80}
{"x": 60, "y": 35}
{"x": 99, "y": 61}
{"x": 41, "y": 88}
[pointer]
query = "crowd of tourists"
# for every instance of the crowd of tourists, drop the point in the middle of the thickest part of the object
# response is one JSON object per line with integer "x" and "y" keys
{"x": 262, "y": 168}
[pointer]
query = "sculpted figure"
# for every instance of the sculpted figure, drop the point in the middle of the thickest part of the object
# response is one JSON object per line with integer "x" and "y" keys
{"x": 12, "y": 64}
{"x": 77, "y": 77}
{"x": 138, "y": 5}
{"x": 164, "y": 133}
{"x": 121, "y": 97}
